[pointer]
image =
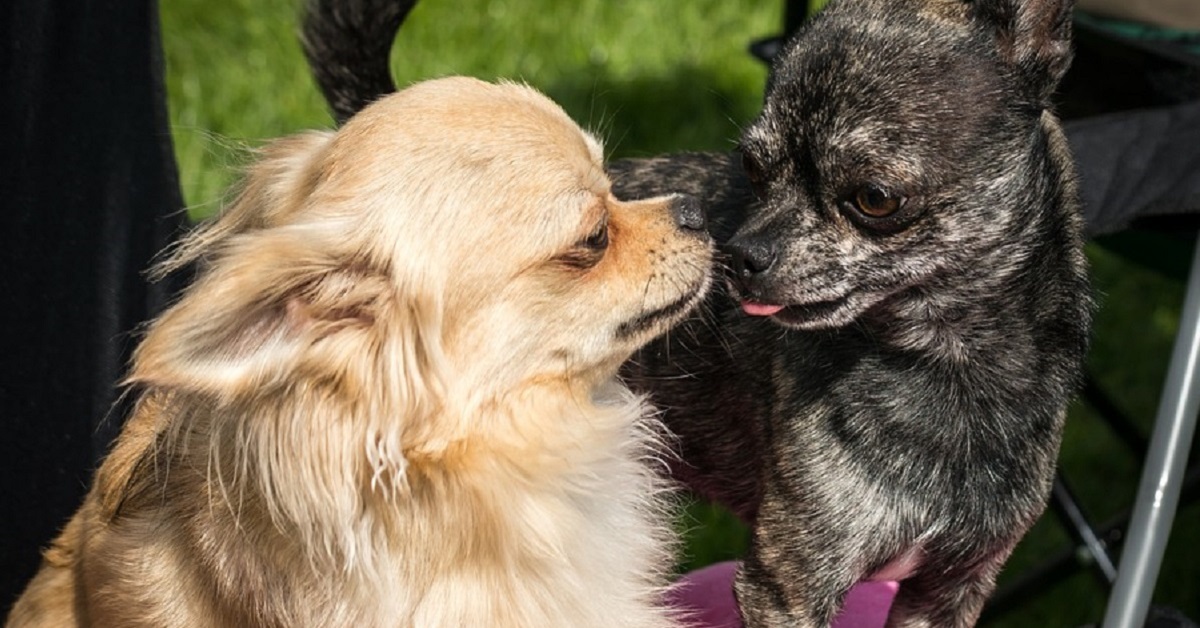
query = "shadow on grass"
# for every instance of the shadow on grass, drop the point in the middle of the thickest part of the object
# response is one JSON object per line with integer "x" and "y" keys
{"x": 651, "y": 114}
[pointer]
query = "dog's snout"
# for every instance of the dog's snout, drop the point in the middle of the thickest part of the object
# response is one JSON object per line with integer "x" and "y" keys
{"x": 752, "y": 256}
{"x": 688, "y": 213}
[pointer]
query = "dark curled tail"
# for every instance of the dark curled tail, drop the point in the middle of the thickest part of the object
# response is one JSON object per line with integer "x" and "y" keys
{"x": 348, "y": 44}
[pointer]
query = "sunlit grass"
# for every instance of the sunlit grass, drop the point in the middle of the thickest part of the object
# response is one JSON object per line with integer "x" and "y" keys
{"x": 650, "y": 77}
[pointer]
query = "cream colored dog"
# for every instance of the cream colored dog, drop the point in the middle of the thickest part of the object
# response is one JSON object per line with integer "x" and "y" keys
{"x": 390, "y": 397}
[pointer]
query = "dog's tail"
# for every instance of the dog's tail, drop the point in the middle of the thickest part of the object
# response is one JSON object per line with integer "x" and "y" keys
{"x": 348, "y": 44}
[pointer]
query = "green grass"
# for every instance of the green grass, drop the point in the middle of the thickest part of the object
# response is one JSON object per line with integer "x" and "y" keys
{"x": 648, "y": 77}
{"x": 651, "y": 77}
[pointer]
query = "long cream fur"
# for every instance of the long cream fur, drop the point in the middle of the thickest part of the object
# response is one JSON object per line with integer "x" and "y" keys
{"x": 390, "y": 399}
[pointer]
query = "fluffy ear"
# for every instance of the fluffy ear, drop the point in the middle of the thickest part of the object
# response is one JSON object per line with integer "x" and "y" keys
{"x": 283, "y": 295}
{"x": 271, "y": 310}
{"x": 1033, "y": 37}
{"x": 283, "y": 175}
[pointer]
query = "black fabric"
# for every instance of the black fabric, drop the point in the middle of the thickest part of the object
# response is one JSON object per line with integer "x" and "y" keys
{"x": 88, "y": 193}
{"x": 1138, "y": 166}
{"x": 1132, "y": 118}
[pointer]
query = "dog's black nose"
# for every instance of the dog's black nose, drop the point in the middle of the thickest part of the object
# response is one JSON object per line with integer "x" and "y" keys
{"x": 751, "y": 256}
{"x": 688, "y": 213}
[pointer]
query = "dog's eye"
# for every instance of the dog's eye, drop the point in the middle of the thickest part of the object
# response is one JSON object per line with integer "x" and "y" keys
{"x": 587, "y": 252}
{"x": 755, "y": 174}
{"x": 598, "y": 239}
{"x": 877, "y": 202}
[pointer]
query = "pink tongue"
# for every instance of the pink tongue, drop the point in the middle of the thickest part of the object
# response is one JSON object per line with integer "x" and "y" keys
{"x": 759, "y": 309}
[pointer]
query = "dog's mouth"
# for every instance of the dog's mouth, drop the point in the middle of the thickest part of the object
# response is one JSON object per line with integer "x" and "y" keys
{"x": 665, "y": 314}
{"x": 820, "y": 314}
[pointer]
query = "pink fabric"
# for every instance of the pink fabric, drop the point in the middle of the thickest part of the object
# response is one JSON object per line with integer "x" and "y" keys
{"x": 706, "y": 595}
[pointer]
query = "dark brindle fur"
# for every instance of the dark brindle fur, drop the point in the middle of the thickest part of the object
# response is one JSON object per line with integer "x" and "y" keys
{"x": 906, "y": 403}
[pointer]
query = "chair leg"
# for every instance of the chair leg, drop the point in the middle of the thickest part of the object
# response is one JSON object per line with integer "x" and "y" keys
{"x": 1162, "y": 475}
{"x": 1081, "y": 529}
{"x": 1068, "y": 561}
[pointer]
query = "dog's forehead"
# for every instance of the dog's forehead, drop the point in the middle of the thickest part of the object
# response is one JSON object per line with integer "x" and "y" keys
{"x": 472, "y": 119}
{"x": 492, "y": 166}
{"x": 876, "y": 66}
{"x": 469, "y": 134}
{"x": 869, "y": 86}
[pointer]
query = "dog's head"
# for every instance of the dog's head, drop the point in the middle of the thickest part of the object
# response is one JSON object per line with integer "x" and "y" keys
{"x": 892, "y": 150}
{"x": 450, "y": 244}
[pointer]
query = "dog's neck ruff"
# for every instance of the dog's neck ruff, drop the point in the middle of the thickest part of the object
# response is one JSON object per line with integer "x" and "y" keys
{"x": 538, "y": 510}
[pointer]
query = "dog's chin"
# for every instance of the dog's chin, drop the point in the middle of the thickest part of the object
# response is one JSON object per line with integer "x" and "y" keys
{"x": 810, "y": 315}
{"x": 658, "y": 320}
{"x": 817, "y": 314}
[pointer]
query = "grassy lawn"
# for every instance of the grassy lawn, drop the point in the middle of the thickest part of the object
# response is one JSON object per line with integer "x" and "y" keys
{"x": 645, "y": 76}
{"x": 651, "y": 77}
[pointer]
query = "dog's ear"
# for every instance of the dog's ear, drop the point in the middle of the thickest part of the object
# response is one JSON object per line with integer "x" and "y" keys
{"x": 284, "y": 173}
{"x": 265, "y": 316}
{"x": 285, "y": 296}
{"x": 1033, "y": 37}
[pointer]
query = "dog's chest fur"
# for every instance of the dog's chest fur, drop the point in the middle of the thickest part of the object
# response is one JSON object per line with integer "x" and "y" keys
{"x": 577, "y": 536}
